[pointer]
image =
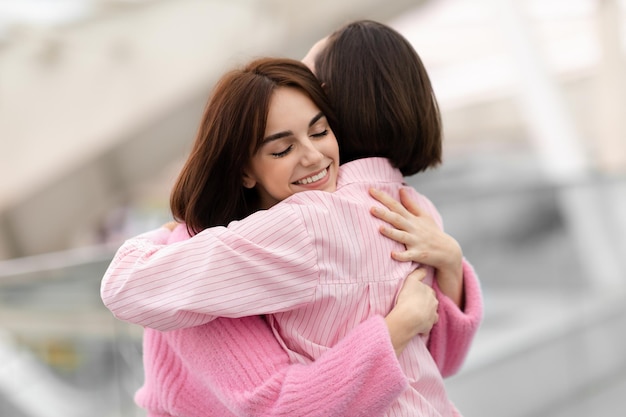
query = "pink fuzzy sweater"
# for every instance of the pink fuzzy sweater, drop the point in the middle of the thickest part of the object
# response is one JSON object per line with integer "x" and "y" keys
{"x": 235, "y": 367}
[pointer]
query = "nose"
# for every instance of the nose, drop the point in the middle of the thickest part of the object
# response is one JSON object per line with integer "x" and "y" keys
{"x": 311, "y": 154}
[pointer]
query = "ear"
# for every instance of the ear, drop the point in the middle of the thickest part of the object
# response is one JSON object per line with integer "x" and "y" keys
{"x": 247, "y": 180}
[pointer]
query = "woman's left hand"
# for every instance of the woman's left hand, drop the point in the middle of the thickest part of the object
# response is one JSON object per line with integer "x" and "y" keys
{"x": 426, "y": 243}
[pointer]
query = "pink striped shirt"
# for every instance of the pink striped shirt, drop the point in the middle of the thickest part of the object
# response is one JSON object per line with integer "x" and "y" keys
{"x": 316, "y": 262}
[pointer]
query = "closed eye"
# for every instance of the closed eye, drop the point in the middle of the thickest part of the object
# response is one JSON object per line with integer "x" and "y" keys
{"x": 282, "y": 153}
{"x": 320, "y": 134}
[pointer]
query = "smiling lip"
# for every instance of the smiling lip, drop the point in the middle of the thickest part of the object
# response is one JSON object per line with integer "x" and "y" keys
{"x": 313, "y": 178}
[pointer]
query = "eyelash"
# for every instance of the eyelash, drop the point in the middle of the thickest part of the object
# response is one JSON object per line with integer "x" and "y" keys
{"x": 286, "y": 151}
{"x": 321, "y": 134}
{"x": 283, "y": 153}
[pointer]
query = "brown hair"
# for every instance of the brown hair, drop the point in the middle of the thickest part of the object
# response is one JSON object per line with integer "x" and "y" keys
{"x": 209, "y": 190}
{"x": 382, "y": 97}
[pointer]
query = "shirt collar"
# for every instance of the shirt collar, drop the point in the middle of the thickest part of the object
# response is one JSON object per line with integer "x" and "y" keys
{"x": 368, "y": 170}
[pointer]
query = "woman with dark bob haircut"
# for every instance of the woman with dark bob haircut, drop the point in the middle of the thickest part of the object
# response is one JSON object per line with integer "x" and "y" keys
{"x": 317, "y": 263}
{"x": 381, "y": 93}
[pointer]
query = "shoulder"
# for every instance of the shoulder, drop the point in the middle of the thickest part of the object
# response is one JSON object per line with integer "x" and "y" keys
{"x": 425, "y": 203}
{"x": 284, "y": 220}
{"x": 179, "y": 233}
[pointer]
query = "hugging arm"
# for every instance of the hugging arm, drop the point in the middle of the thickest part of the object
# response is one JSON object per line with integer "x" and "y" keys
{"x": 180, "y": 285}
{"x": 238, "y": 364}
{"x": 460, "y": 311}
{"x": 452, "y": 336}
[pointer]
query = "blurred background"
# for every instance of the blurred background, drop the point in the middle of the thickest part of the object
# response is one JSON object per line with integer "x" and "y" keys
{"x": 99, "y": 103}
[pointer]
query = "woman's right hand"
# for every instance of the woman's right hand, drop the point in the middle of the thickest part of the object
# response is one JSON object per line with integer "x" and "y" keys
{"x": 425, "y": 241}
{"x": 415, "y": 311}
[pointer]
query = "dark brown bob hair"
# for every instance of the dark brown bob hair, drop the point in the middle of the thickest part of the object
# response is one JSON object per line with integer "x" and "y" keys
{"x": 209, "y": 190}
{"x": 382, "y": 97}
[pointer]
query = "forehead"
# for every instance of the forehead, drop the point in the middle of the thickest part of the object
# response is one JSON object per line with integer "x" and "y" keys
{"x": 289, "y": 101}
{"x": 290, "y": 109}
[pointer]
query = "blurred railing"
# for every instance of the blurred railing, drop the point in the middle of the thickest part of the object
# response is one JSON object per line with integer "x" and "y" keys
{"x": 61, "y": 350}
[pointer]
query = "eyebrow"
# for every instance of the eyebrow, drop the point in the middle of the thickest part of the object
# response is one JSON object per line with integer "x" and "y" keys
{"x": 286, "y": 133}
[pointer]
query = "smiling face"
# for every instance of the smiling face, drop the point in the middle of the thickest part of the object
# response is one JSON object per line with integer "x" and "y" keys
{"x": 299, "y": 150}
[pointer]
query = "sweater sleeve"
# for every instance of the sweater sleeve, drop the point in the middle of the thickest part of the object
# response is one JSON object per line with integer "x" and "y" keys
{"x": 243, "y": 366}
{"x": 451, "y": 337}
{"x": 183, "y": 284}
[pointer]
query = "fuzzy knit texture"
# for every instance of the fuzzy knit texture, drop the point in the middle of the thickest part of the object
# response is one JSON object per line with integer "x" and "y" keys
{"x": 235, "y": 367}
{"x": 326, "y": 271}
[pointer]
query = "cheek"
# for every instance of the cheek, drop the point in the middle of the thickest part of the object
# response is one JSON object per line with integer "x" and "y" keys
{"x": 333, "y": 149}
{"x": 256, "y": 166}
{"x": 277, "y": 176}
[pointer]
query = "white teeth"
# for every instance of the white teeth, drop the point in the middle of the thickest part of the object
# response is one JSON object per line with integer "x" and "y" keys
{"x": 314, "y": 178}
